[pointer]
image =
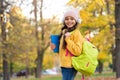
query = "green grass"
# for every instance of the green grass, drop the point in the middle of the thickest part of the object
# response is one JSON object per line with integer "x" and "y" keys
{"x": 104, "y": 74}
{"x": 58, "y": 77}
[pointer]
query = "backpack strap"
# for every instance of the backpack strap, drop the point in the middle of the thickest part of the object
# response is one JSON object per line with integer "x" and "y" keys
{"x": 83, "y": 77}
{"x": 68, "y": 52}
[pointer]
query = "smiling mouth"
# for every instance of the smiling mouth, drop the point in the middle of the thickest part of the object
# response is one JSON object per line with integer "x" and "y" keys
{"x": 69, "y": 24}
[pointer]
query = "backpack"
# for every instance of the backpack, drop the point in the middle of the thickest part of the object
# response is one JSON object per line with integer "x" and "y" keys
{"x": 86, "y": 62}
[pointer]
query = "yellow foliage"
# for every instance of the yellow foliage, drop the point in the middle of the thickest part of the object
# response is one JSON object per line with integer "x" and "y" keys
{"x": 76, "y": 3}
{"x": 100, "y": 3}
{"x": 9, "y": 25}
{"x": 102, "y": 56}
{"x": 84, "y": 15}
{"x": 104, "y": 41}
{"x": 48, "y": 60}
{"x": 0, "y": 65}
{"x": 16, "y": 11}
{"x": 26, "y": 58}
{"x": 70, "y": 2}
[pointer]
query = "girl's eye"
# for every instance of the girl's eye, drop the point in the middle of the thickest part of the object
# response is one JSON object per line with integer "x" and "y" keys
{"x": 69, "y": 18}
{"x": 72, "y": 18}
{"x": 66, "y": 19}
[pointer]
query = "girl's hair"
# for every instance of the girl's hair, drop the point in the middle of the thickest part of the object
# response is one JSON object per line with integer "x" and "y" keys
{"x": 66, "y": 30}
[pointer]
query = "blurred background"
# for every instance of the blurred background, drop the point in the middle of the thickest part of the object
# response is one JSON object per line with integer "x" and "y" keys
{"x": 26, "y": 26}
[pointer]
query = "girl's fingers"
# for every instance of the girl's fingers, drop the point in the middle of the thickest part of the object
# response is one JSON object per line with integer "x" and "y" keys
{"x": 52, "y": 46}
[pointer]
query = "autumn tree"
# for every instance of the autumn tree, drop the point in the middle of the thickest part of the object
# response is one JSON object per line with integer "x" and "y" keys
{"x": 21, "y": 40}
{"x": 117, "y": 37}
{"x": 42, "y": 36}
{"x": 3, "y": 7}
{"x": 25, "y": 39}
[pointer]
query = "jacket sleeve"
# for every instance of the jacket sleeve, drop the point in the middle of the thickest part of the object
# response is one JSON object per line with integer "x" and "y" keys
{"x": 74, "y": 44}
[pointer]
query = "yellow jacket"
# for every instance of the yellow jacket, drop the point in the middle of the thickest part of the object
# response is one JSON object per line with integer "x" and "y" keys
{"x": 74, "y": 45}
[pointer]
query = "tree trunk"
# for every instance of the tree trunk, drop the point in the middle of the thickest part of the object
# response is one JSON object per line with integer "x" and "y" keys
{"x": 39, "y": 64}
{"x": 42, "y": 38}
{"x": 3, "y": 33}
{"x": 40, "y": 46}
{"x": 39, "y": 59}
{"x": 27, "y": 65}
{"x": 6, "y": 75}
{"x": 114, "y": 60}
{"x": 100, "y": 66}
{"x": 111, "y": 28}
{"x": 37, "y": 73}
{"x": 117, "y": 37}
{"x": 108, "y": 6}
{"x": 5, "y": 59}
{"x": 11, "y": 69}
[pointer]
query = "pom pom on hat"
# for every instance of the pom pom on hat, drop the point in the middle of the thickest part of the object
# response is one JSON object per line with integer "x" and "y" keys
{"x": 73, "y": 13}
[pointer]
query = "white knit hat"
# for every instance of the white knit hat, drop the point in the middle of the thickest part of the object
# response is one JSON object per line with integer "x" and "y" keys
{"x": 73, "y": 13}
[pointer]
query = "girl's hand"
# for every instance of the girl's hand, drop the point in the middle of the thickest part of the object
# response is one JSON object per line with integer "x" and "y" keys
{"x": 52, "y": 46}
{"x": 67, "y": 34}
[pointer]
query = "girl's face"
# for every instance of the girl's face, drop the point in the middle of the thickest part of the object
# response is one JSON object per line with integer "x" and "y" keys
{"x": 70, "y": 21}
